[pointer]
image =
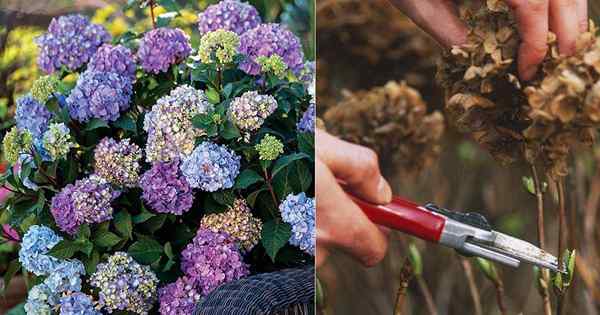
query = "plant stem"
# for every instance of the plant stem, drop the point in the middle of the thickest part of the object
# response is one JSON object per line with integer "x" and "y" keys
{"x": 270, "y": 187}
{"x": 468, "y": 270}
{"x": 406, "y": 273}
{"x": 500, "y": 296}
{"x": 427, "y": 295}
{"x": 152, "y": 4}
{"x": 562, "y": 226}
{"x": 541, "y": 242}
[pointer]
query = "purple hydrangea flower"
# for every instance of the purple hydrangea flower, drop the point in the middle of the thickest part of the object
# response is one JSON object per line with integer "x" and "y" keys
{"x": 211, "y": 167}
{"x": 117, "y": 59}
{"x": 71, "y": 41}
{"x": 230, "y": 15}
{"x": 102, "y": 95}
{"x": 212, "y": 259}
{"x": 87, "y": 201}
{"x": 118, "y": 161}
{"x": 299, "y": 212}
{"x": 307, "y": 122}
{"x": 165, "y": 189}
{"x": 269, "y": 39}
{"x": 33, "y": 116}
{"x": 179, "y": 297}
{"x": 77, "y": 303}
{"x": 33, "y": 254}
{"x": 162, "y": 47}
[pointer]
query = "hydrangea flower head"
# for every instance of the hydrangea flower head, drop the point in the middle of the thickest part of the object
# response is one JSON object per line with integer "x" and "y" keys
{"x": 211, "y": 167}
{"x": 117, "y": 59}
{"x": 299, "y": 212}
{"x": 249, "y": 111}
{"x": 165, "y": 190}
{"x": 269, "y": 148}
{"x": 308, "y": 120}
{"x": 118, "y": 161}
{"x": 71, "y": 41}
{"x": 39, "y": 301}
{"x": 212, "y": 259}
{"x": 179, "y": 297}
{"x": 31, "y": 115}
{"x": 57, "y": 141}
{"x": 102, "y": 95}
{"x": 162, "y": 47}
{"x": 230, "y": 15}
{"x": 125, "y": 285}
{"x": 87, "y": 201}
{"x": 171, "y": 134}
{"x": 33, "y": 254}
{"x": 273, "y": 64}
{"x": 65, "y": 277}
{"x": 238, "y": 222}
{"x": 44, "y": 87}
{"x": 16, "y": 143}
{"x": 270, "y": 39}
{"x": 77, "y": 303}
{"x": 218, "y": 46}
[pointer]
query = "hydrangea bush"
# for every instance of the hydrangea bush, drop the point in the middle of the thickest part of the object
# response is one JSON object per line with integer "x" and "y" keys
{"x": 166, "y": 169}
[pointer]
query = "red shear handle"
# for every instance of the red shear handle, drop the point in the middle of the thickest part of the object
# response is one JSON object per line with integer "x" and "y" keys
{"x": 405, "y": 216}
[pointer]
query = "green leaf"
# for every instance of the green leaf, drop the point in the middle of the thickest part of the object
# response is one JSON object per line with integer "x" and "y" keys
{"x": 247, "y": 178}
{"x": 169, "y": 250}
{"x": 230, "y": 131}
{"x": 284, "y": 161}
{"x": 202, "y": 121}
{"x": 213, "y": 96}
{"x": 415, "y": 259}
{"x": 123, "y": 223}
{"x": 84, "y": 232}
{"x": 155, "y": 223}
{"x": 95, "y": 123}
{"x": 106, "y": 239}
{"x": 170, "y": 5}
{"x": 274, "y": 236}
{"x": 144, "y": 216}
{"x": 146, "y": 251}
{"x": 64, "y": 249}
{"x": 251, "y": 199}
{"x": 224, "y": 197}
{"x": 306, "y": 144}
{"x": 91, "y": 262}
{"x": 17, "y": 310}
{"x": 13, "y": 267}
{"x": 165, "y": 19}
{"x": 571, "y": 265}
{"x": 125, "y": 122}
{"x": 488, "y": 269}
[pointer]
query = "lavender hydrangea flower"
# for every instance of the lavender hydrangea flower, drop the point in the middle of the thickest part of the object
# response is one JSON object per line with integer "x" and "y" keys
{"x": 117, "y": 59}
{"x": 118, "y": 162}
{"x": 179, "y": 297}
{"x": 171, "y": 134}
{"x": 230, "y": 15}
{"x": 87, "y": 201}
{"x": 33, "y": 254}
{"x": 77, "y": 303}
{"x": 249, "y": 111}
{"x": 71, "y": 41}
{"x": 211, "y": 167}
{"x": 65, "y": 277}
{"x": 40, "y": 300}
{"x": 299, "y": 212}
{"x": 125, "y": 285}
{"x": 162, "y": 47}
{"x": 269, "y": 39}
{"x": 212, "y": 259}
{"x": 308, "y": 120}
{"x": 31, "y": 115}
{"x": 102, "y": 95}
{"x": 165, "y": 189}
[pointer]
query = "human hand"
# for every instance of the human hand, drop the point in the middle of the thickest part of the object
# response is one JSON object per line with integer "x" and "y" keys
{"x": 341, "y": 224}
{"x": 535, "y": 18}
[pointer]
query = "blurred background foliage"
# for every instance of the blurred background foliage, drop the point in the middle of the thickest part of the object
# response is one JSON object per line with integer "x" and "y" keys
{"x": 363, "y": 45}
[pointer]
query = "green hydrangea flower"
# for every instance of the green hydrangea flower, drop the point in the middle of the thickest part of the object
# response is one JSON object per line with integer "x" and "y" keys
{"x": 57, "y": 141}
{"x": 43, "y": 87}
{"x": 219, "y": 46}
{"x": 269, "y": 148}
{"x": 273, "y": 64}
{"x": 15, "y": 143}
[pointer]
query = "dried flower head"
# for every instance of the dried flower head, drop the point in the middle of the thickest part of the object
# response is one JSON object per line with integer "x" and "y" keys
{"x": 43, "y": 88}
{"x": 238, "y": 222}
{"x": 211, "y": 167}
{"x": 57, "y": 141}
{"x": 273, "y": 64}
{"x": 230, "y": 15}
{"x": 165, "y": 189}
{"x": 218, "y": 46}
{"x": 118, "y": 161}
{"x": 16, "y": 143}
{"x": 269, "y": 148}
{"x": 162, "y": 47}
{"x": 393, "y": 121}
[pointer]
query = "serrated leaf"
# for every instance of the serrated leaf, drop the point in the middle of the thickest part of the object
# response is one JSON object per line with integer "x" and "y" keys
{"x": 123, "y": 223}
{"x": 64, "y": 249}
{"x": 13, "y": 267}
{"x": 284, "y": 161}
{"x": 106, "y": 239}
{"x": 126, "y": 123}
{"x": 247, "y": 178}
{"x": 95, "y": 123}
{"x": 274, "y": 236}
{"x": 213, "y": 96}
{"x": 91, "y": 262}
{"x": 146, "y": 251}
{"x": 306, "y": 144}
{"x": 230, "y": 131}
{"x": 155, "y": 223}
{"x": 144, "y": 216}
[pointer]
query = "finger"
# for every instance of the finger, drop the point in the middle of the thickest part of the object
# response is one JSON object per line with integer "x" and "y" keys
{"x": 532, "y": 19}
{"x": 582, "y": 15}
{"x": 342, "y": 224}
{"x": 438, "y": 18}
{"x": 321, "y": 255}
{"x": 356, "y": 165}
{"x": 564, "y": 22}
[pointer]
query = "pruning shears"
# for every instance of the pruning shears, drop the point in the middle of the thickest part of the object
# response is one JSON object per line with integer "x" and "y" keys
{"x": 469, "y": 233}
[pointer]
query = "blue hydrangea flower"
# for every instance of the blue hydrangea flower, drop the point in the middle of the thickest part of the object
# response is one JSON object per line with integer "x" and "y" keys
{"x": 40, "y": 301}
{"x": 65, "y": 277}
{"x": 307, "y": 122}
{"x": 70, "y": 41}
{"x": 230, "y": 15}
{"x": 33, "y": 116}
{"x": 77, "y": 303}
{"x": 102, "y": 95}
{"x": 117, "y": 59}
{"x": 36, "y": 243}
{"x": 299, "y": 212}
{"x": 211, "y": 167}
{"x": 162, "y": 47}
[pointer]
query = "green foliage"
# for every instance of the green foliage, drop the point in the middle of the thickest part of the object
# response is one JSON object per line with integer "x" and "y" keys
{"x": 274, "y": 236}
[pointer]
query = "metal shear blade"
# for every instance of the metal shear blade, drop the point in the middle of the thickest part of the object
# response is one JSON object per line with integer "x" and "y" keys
{"x": 525, "y": 251}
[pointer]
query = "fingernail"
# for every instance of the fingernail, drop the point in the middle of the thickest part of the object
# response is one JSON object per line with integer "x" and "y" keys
{"x": 384, "y": 190}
